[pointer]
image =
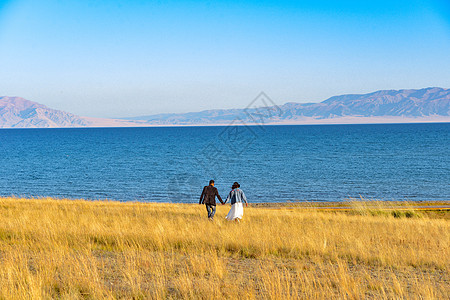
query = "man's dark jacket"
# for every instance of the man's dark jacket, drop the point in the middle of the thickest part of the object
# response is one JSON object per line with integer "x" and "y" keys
{"x": 209, "y": 195}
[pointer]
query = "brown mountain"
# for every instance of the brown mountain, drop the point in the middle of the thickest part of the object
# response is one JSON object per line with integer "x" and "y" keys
{"x": 16, "y": 112}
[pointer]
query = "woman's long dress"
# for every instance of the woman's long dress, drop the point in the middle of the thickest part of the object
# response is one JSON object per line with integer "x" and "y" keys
{"x": 236, "y": 211}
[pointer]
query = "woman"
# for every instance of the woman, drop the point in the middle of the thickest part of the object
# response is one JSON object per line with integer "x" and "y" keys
{"x": 236, "y": 196}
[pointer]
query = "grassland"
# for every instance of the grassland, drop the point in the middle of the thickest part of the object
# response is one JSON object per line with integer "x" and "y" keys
{"x": 73, "y": 249}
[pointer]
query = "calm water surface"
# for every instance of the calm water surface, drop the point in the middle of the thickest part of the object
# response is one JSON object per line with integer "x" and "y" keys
{"x": 272, "y": 163}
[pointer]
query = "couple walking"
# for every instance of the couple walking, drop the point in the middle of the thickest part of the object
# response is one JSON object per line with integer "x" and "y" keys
{"x": 236, "y": 196}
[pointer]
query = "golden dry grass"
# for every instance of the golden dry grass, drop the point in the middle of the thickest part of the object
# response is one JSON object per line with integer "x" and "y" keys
{"x": 80, "y": 249}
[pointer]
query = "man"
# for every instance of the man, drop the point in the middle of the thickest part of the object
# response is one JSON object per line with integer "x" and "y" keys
{"x": 208, "y": 198}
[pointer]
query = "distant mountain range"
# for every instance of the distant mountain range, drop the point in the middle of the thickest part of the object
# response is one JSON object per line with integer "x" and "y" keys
{"x": 387, "y": 106}
{"x": 398, "y": 106}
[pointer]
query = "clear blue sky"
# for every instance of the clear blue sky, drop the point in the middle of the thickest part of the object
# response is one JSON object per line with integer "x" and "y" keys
{"x": 127, "y": 58}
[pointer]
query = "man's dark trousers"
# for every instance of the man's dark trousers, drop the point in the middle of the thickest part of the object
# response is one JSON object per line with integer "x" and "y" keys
{"x": 211, "y": 210}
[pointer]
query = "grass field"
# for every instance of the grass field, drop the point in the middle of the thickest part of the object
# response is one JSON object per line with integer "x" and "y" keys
{"x": 74, "y": 249}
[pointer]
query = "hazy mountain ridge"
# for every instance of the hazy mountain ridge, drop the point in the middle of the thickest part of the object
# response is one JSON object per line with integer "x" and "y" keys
{"x": 422, "y": 105}
{"x": 393, "y": 103}
{"x": 390, "y": 104}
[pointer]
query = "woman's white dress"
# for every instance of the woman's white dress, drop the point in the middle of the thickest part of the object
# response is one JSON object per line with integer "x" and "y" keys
{"x": 236, "y": 211}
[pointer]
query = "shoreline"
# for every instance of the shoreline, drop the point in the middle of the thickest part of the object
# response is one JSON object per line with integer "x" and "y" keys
{"x": 337, "y": 205}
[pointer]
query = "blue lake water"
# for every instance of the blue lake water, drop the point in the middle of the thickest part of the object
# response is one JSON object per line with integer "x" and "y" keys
{"x": 272, "y": 163}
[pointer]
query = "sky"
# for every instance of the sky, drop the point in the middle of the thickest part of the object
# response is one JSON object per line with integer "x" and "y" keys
{"x": 131, "y": 58}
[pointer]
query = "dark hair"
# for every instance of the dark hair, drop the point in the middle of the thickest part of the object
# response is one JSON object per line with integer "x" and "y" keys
{"x": 211, "y": 181}
{"x": 235, "y": 185}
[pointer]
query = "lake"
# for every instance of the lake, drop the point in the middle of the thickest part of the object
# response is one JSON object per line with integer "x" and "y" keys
{"x": 272, "y": 163}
